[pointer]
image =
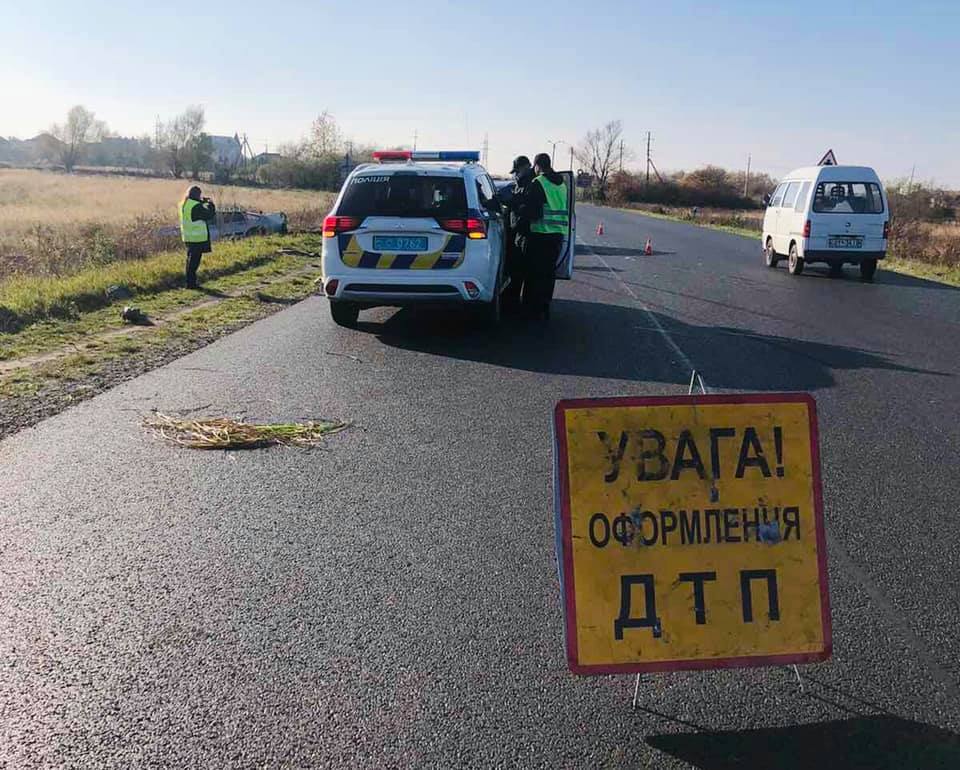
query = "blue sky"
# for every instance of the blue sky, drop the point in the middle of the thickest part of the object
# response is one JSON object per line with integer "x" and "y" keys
{"x": 879, "y": 82}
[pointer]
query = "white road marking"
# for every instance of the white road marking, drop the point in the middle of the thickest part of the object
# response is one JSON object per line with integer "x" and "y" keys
{"x": 653, "y": 318}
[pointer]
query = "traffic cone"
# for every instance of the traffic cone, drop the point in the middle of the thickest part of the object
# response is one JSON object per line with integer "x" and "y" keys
{"x": 600, "y": 229}
{"x": 648, "y": 249}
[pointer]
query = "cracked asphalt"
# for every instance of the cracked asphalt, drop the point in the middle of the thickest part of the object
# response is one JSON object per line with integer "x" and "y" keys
{"x": 391, "y": 599}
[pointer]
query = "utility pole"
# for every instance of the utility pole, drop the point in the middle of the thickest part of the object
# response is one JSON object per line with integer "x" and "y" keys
{"x": 621, "y": 156}
{"x": 648, "y": 158}
{"x": 414, "y": 139}
{"x": 485, "y": 150}
{"x": 746, "y": 179}
{"x": 912, "y": 172}
{"x": 571, "y": 158}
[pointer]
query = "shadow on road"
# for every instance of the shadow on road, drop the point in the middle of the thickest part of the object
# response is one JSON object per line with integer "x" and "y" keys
{"x": 872, "y": 742}
{"x": 615, "y": 251}
{"x": 591, "y": 339}
{"x": 882, "y": 277}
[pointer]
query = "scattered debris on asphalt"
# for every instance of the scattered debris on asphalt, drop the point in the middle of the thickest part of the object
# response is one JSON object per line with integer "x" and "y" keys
{"x": 225, "y": 433}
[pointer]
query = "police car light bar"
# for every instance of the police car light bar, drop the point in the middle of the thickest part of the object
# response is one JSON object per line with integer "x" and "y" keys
{"x": 462, "y": 156}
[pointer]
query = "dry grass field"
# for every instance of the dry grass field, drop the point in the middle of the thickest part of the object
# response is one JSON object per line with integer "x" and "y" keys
{"x": 53, "y": 223}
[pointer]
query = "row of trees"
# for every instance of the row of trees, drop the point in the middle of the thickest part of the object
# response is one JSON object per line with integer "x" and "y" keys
{"x": 602, "y": 152}
{"x": 181, "y": 145}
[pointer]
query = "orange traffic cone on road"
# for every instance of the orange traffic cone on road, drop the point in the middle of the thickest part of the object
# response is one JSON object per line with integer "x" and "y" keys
{"x": 648, "y": 249}
{"x": 600, "y": 229}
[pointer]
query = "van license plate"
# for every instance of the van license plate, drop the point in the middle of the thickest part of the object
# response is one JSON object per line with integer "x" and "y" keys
{"x": 399, "y": 243}
{"x": 845, "y": 243}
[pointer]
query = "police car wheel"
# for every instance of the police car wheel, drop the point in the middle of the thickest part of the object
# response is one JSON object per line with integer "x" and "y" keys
{"x": 344, "y": 313}
{"x": 868, "y": 269}
{"x": 491, "y": 311}
{"x": 794, "y": 261}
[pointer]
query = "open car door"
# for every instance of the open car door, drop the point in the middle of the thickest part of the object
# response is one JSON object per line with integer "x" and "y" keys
{"x": 565, "y": 260}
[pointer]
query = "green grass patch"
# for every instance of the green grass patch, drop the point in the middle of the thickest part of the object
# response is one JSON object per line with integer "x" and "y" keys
{"x": 943, "y": 273}
{"x": 184, "y": 332}
{"x": 25, "y": 300}
{"x": 52, "y": 333}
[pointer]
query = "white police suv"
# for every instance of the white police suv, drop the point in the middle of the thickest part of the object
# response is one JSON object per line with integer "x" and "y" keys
{"x": 417, "y": 227}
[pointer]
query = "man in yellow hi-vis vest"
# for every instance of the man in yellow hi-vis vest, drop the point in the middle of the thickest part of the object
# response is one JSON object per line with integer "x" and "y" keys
{"x": 195, "y": 215}
{"x": 546, "y": 206}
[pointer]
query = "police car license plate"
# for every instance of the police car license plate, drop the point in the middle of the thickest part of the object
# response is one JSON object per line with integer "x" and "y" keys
{"x": 399, "y": 243}
{"x": 845, "y": 243}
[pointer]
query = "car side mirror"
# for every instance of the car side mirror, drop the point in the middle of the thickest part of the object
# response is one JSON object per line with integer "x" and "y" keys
{"x": 766, "y": 199}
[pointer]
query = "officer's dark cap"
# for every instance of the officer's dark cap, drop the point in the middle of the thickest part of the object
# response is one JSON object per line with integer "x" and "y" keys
{"x": 521, "y": 161}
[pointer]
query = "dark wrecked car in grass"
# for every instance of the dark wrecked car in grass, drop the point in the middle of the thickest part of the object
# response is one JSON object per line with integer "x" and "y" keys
{"x": 235, "y": 223}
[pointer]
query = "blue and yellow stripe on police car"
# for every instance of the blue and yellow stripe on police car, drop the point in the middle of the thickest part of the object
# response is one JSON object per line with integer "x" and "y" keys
{"x": 448, "y": 256}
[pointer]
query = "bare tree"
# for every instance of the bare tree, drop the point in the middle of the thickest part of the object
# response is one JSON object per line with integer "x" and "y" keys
{"x": 80, "y": 128}
{"x": 325, "y": 140}
{"x": 182, "y": 141}
{"x": 600, "y": 153}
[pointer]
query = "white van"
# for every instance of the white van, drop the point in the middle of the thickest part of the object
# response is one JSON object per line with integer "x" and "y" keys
{"x": 831, "y": 214}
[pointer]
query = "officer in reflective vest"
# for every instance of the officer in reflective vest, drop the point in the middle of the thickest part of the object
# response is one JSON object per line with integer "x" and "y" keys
{"x": 547, "y": 208}
{"x": 195, "y": 214}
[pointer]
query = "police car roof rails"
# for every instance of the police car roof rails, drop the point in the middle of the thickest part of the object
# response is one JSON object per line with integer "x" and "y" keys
{"x": 442, "y": 156}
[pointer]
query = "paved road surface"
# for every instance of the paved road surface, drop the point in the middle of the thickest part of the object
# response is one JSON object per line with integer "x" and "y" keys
{"x": 391, "y": 600}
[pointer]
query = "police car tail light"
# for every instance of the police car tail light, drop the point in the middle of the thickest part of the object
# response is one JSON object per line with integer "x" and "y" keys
{"x": 334, "y": 225}
{"x": 472, "y": 227}
{"x": 886, "y": 229}
{"x": 806, "y": 229}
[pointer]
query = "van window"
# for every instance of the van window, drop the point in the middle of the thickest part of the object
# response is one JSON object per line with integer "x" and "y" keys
{"x": 848, "y": 198}
{"x": 777, "y": 196}
{"x": 802, "y": 197}
{"x": 404, "y": 194}
{"x": 790, "y": 194}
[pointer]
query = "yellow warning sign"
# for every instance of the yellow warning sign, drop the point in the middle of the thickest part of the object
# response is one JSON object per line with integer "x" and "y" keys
{"x": 690, "y": 532}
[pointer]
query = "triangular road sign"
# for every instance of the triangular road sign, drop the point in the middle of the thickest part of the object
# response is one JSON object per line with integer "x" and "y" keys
{"x": 828, "y": 160}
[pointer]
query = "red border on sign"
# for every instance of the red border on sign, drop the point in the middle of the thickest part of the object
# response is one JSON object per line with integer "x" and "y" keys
{"x": 570, "y": 601}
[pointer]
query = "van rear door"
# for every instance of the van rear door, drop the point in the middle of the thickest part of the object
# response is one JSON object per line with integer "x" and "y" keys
{"x": 565, "y": 260}
{"x": 847, "y": 216}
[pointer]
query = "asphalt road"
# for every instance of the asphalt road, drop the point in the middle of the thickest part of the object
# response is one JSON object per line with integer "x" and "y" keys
{"x": 391, "y": 600}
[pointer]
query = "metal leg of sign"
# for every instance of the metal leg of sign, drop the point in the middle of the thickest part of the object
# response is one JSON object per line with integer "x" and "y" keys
{"x": 636, "y": 692}
{"x": 796, "y": 671}
{"x": 696, "y": 379}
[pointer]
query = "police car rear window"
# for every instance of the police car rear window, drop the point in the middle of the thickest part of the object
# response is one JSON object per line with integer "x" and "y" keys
{"x": 404, "y": 195}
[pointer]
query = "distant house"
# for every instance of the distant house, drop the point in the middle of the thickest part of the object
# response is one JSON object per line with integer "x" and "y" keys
{"x": 227, "y": 150}
{"x": 264, "y": 158}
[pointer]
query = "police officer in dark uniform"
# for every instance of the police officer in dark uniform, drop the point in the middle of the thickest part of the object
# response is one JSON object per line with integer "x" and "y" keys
{"x": 519, "y": 229}
{"x": 545, "y": 207}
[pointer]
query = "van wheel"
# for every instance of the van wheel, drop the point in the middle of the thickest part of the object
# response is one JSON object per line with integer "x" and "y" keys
{"x": 770, "y": 254}
{"x": 345, "y": 313}
{"x": 794, "y": 261}
{"x": 868, "y": 269}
